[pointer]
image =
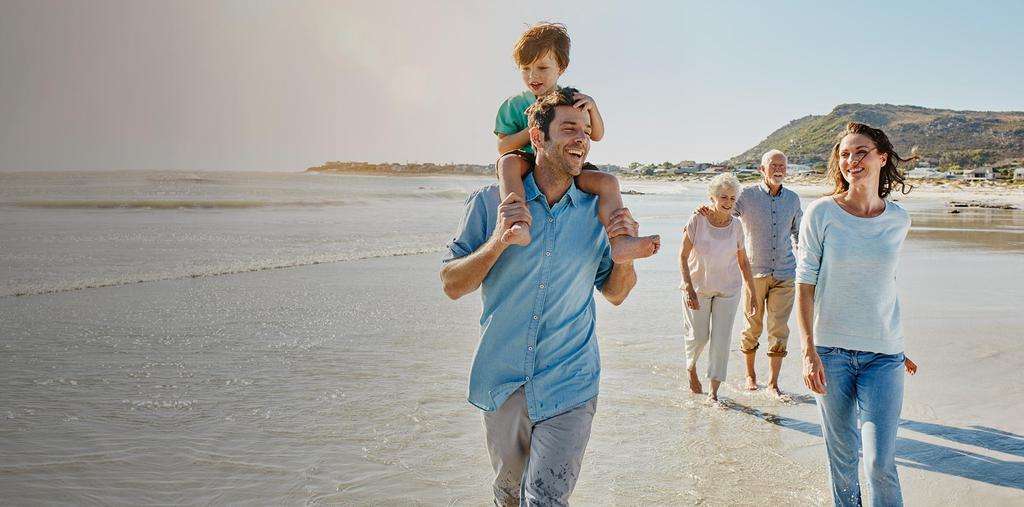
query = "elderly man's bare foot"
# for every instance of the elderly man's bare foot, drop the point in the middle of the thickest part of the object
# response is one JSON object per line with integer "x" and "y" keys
{"x": 695, "y": 386}
{"x": 712, "y": 397}
{"x": 627, "y": 248}
{"x": 518, "y": 234}
{"x": 751, "y": 383}
{"x": 774, "y": 390}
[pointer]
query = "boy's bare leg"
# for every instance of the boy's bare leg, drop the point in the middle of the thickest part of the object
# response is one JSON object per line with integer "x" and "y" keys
{"x": 606, "y": 188}
{"x": 511, "y": 170}
{"x": 751, "y": 374}
{"x": 774, "y": 366}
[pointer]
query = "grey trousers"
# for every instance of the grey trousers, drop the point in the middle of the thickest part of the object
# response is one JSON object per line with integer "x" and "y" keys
{"x": 536, "y": 463}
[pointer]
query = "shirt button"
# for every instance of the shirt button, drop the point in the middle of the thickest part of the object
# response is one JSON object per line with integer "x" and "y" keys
{"x": 547, "y": 254}
{"x": 535, "y": 317}
{"x": 541, "y": 286}
{"x": 550, "y": 220}
{"x": 527, "y": 379}
{"x": 530, "y": 348}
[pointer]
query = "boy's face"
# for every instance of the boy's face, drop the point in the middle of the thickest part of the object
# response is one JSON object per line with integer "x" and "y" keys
{"x": 541, "y": 75}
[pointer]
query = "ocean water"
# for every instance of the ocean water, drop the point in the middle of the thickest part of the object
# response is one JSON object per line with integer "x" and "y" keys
{"x": 66, "y": 231}
{"x": 281, "y": 339}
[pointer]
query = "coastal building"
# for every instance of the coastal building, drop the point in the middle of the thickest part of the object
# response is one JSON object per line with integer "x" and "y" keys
{"x": 1018, "y": 174}
{"x": 925, "y": 173}
{"x": 979, "y": 174}
{"x": 1003, "y": 173}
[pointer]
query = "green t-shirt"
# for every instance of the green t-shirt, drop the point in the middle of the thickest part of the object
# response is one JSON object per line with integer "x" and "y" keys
{"x": 512, "y": 116}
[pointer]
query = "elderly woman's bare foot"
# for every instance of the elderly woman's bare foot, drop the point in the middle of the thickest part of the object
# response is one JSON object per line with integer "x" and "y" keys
{"x": 695, "y": 386}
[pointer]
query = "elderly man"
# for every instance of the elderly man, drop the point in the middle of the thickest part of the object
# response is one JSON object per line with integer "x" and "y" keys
{"x": 771, "y": 218}
{"x": 536, "y": 369}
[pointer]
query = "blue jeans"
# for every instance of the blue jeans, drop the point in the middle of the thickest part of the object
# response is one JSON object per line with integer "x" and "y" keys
{"x": 869, "y": 387}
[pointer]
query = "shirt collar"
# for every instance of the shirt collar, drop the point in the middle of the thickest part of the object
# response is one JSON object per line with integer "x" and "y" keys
{"x": 532, "y": 191}
{"x": 764, "y": 187}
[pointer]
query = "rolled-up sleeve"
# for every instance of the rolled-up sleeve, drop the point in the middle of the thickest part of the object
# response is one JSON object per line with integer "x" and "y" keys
{"x": 808, "y": 255}
{"x": 472, "y": 231}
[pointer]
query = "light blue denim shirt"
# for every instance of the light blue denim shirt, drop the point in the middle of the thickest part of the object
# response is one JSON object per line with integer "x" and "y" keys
{"x": 538, "y": 323}
{"x": 772, "y": 224}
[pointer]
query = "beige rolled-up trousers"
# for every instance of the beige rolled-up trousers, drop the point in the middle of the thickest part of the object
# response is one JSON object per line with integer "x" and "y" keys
{"x": 774, "y": 301}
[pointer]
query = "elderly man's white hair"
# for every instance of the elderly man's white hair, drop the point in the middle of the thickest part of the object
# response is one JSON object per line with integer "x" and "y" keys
{"x": 724, "y": 180}
{"x": 767, "y": 157}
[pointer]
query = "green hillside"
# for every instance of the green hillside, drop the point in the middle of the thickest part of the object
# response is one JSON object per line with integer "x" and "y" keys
{"x": 943, "y": 137}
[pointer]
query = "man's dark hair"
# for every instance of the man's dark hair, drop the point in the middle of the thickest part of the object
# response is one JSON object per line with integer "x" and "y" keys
{"x": 542, "y": 112}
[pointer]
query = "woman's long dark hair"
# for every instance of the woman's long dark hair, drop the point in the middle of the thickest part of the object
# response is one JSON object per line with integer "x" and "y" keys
{"x": 889, "y": 177}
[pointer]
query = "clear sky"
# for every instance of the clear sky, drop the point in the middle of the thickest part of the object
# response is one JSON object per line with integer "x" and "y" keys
{"x": 261, "y": 85}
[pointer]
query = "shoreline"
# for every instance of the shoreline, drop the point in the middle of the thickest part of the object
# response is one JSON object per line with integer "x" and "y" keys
{"x": 975, "y": 193}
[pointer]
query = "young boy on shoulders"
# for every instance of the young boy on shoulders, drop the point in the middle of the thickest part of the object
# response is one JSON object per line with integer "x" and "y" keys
{"x": 542, "y": 54}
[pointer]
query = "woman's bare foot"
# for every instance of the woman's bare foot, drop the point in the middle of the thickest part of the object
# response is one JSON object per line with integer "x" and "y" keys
{"x": 774, "y": 390}
{"x": 751, "y": 383}
{"x": 518, "y": 234}
{"x": 627, "y": 248}
{"x": 695, "y": 386}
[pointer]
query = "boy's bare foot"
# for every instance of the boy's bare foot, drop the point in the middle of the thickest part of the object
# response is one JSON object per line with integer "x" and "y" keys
{"x": 518, "y": 234}
{"x": 751, "y": 383}
{"x": 774, "y": 390}
{"x": 627, "y": 248}
{"x": 695, "y": 386}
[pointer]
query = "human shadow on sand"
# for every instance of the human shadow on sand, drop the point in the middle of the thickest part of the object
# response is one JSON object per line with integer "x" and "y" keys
{"x": 932, "y": 457}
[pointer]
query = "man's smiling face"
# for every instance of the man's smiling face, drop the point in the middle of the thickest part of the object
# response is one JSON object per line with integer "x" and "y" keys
{"x": 568, "y": 140}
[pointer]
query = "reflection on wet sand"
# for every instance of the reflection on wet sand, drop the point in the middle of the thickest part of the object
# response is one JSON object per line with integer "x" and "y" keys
{"x": 987, "y": 229}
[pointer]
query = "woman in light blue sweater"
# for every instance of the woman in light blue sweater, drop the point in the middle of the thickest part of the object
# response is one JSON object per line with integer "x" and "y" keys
{"x": 849, "y": 315}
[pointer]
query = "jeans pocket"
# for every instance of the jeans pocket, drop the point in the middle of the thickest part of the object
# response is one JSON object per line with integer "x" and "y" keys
{"x": 826, "y": 351}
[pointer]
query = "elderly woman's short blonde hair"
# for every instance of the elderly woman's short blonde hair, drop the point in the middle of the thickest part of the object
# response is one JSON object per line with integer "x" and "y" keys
{"x": 724, "y": 180}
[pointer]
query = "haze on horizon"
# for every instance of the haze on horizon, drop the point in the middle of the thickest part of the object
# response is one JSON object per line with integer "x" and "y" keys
{"x": 268, "y": 85}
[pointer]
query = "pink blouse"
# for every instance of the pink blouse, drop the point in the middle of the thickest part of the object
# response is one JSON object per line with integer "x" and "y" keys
{"x": 712, "y": 261}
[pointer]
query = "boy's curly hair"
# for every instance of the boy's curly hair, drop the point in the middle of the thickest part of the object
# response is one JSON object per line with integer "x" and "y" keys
{"x": 538, "y": 40}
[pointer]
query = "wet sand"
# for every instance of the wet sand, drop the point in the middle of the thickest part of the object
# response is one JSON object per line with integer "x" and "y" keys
{"x": 344, "y": 384}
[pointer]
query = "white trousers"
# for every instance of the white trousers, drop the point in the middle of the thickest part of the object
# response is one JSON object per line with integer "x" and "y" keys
{"x": 712, "y": 322}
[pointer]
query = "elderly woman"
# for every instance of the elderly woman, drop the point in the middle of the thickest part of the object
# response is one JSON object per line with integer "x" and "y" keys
{"x": 713, "y": 265}
{"x": 849, "y": 314}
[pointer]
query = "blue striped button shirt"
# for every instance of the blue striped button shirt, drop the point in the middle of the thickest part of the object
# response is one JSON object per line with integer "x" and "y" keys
{"x": 772, "y": 224}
